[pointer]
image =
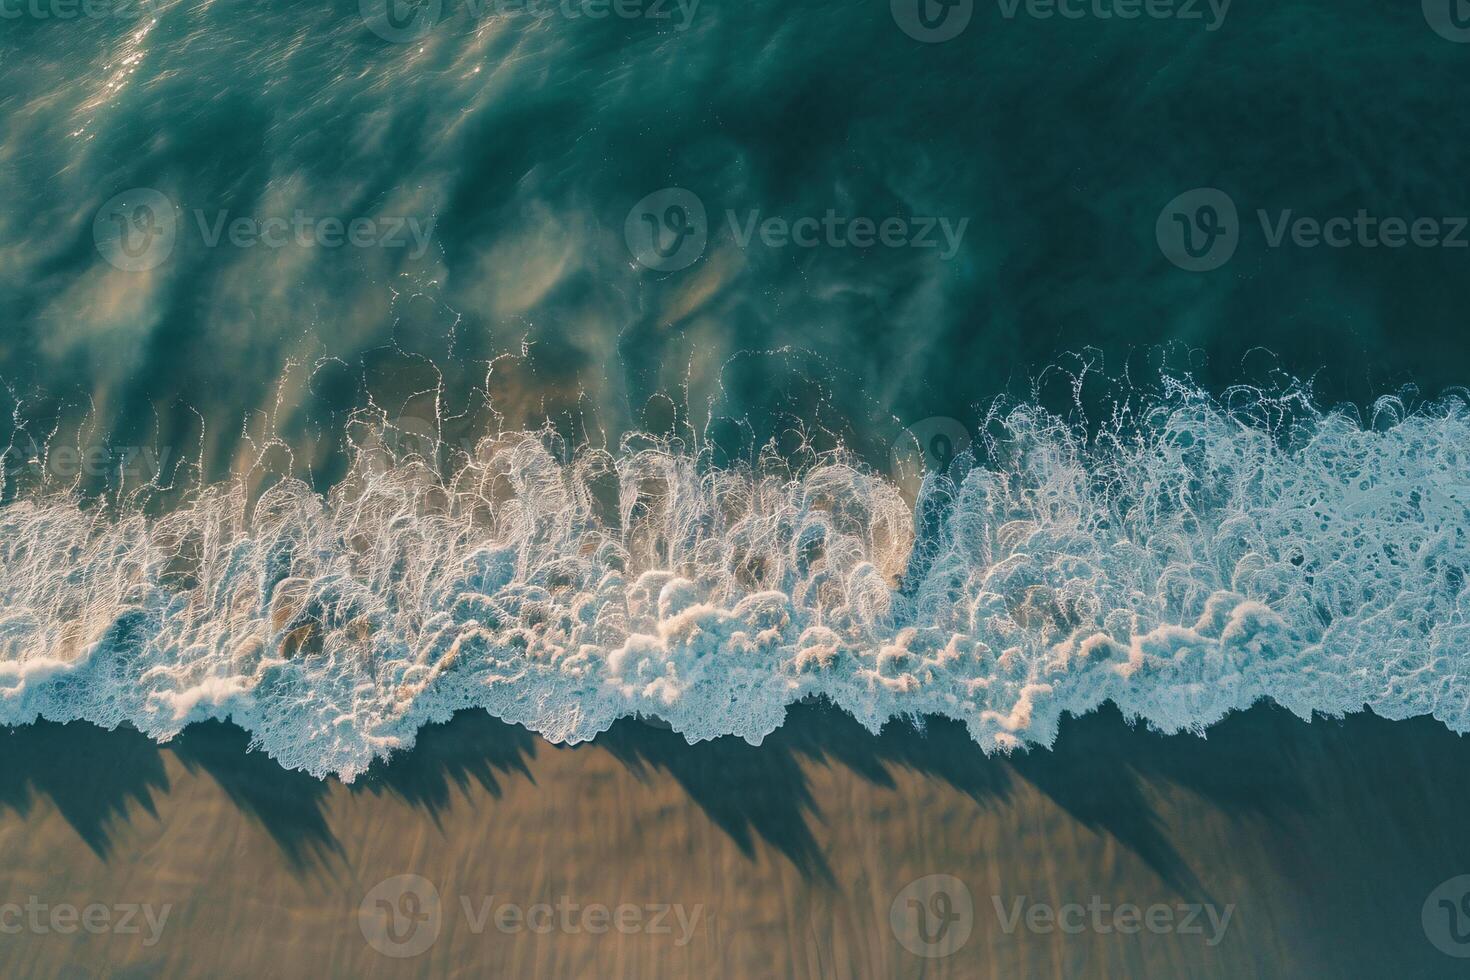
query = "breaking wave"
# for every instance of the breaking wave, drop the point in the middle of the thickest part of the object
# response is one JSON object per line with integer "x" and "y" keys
{"x": 1182, "y": 560}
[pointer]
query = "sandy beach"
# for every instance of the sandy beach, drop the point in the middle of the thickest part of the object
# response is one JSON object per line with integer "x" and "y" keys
{"x": 654, "y": 369}
{"x": 1271, "y": 848}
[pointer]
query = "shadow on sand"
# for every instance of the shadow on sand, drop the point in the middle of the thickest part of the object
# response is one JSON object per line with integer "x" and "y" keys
{"x": 1360, "y": 781}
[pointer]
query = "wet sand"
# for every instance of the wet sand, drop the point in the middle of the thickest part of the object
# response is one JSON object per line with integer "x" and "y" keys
{"x": 1323, "y": 841}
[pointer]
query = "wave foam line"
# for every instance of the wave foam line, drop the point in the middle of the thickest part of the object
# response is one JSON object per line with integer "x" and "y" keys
{"x": 1182, "y": 565}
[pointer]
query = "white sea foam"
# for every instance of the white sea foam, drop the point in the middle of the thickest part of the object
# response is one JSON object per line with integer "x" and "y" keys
{"x": 1182, "y": 563}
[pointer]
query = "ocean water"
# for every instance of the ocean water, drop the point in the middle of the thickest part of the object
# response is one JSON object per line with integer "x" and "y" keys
{"x": 582, "y": 360}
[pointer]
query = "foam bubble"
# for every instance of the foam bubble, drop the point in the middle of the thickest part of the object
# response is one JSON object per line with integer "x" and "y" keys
{"x": 1182, "y": 564}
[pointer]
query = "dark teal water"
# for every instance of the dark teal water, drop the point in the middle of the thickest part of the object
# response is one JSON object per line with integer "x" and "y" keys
{"x": 526, "y": 132}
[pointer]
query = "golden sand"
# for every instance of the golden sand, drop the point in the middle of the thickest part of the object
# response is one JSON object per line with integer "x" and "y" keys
{"x": 1323, "y": 840}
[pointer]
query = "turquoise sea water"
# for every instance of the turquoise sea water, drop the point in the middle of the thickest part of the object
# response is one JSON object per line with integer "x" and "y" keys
{"x": 270, "y": 272}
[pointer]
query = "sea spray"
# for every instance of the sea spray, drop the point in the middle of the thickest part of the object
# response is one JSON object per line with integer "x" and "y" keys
{"x": 1182, "y": 559}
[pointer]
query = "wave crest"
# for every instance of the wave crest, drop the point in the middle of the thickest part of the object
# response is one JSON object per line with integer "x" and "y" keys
{"x": 1183, "y": 560}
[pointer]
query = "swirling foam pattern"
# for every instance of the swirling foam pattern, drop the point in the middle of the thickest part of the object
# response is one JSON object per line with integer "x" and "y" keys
{"x": 1182, "y": 564}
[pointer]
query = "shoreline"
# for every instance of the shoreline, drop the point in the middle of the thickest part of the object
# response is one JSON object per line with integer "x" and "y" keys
{"x": 1323, "y": 841}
